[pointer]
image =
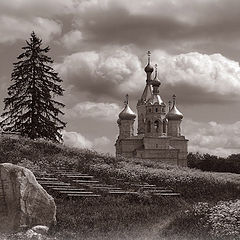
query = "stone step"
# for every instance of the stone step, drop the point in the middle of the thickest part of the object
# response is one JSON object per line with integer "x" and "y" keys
{"x": 83, "y": 195}
{"x": 85, "y": 181}
{"x": 68, "y": 189}
{"x": 79, "y": 176}
{"x": 75, "y": 192}
{"x": 167, "y": 194}
{"x": 122, "y": 192}
{"x": 159, "y": 191}
{"x": 105, "y": 188}
{"x": 46, "y": 179}
{"x": 143, "y": 185}
{"x": 55, "y": 184}
{"x": 102, "y": 185}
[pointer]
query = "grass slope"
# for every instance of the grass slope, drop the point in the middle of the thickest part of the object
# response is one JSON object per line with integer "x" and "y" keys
{"x": 124, "y": 218}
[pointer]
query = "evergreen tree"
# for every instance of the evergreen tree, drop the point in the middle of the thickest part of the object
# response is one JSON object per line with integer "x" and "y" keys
{"x": 29, "y": 108}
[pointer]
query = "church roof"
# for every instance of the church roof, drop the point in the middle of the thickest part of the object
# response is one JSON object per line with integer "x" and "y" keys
{"x": 127, "y": 113}
{"x": 174, "y": 113}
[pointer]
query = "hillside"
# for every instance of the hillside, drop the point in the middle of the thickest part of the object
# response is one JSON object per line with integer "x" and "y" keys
{"x": 123, "y": 218}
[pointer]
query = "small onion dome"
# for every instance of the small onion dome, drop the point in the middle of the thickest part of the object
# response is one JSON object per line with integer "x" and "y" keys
{"x": 127, "y": 113}
{"x": 148, "y": 68}
{"x": 174, "y": 113}
{"x": 156, "y": 81}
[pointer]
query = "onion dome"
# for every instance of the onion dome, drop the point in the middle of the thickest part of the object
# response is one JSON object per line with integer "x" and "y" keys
{"x": 149, "y": 68}
{"x": 127, "y": 113}
{"x": 174, "y": 113}
{"x": 156, "y": 82}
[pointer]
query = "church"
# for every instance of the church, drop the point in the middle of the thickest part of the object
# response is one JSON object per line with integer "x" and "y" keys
{"x": 159, "y": 127}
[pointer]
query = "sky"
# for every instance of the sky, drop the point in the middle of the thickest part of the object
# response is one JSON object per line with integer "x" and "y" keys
{"x": 99, "y": 49}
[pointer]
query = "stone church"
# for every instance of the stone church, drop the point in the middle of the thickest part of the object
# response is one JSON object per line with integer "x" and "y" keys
{"x": 159, "y": 129}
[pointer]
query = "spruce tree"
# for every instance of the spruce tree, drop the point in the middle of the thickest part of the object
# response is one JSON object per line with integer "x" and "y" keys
{"x": 29, "y": 108}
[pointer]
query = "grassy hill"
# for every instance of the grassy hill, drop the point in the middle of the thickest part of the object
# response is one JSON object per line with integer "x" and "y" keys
{"x": 123, "y": 218}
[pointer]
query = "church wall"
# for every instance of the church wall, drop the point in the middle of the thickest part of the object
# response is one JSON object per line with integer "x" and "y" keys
{"x": 174, "y": 128}
{"x": 127, "y": 147}
{"x": 156, "y": 143}
{"x": 141, "y": 118}
{"x": 181, "y": 144}
{"x": 169, "y": 156}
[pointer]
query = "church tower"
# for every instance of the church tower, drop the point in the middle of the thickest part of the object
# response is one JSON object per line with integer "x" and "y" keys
{"x": 126, "y": 121}
{"x": 155, "y": 124}
{"x": 146, "y": 95}
{"x": 174, "y": 117}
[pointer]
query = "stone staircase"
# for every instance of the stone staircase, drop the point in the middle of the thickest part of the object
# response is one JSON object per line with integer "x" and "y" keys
{"x": 67, "y": 183}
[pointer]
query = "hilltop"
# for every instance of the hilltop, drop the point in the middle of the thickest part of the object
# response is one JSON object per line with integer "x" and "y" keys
{"x": 123, "y": 218}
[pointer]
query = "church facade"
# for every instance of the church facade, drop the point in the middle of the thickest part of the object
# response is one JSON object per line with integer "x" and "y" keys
{"x": 159, "y": 126}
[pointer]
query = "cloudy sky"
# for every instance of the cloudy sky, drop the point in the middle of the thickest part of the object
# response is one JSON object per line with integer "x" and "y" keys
{"x": 99, "y": 48}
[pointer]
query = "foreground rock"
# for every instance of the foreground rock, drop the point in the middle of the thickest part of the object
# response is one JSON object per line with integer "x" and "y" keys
{"x": 23, "y": 202}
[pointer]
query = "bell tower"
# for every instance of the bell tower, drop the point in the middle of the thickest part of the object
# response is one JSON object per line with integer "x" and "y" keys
{"x": 126, "y": 121}
{"x": 146, "y": 95}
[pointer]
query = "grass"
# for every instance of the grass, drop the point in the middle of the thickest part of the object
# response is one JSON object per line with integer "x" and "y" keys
{"x": 123, "y": 218}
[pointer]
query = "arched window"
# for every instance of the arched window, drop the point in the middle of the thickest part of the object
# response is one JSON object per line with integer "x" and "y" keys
{"x": 148, "y": 126}
{"x": 156, "y": 126}
{"x": 149, "y": 109}
{"x": 156, "y": 110}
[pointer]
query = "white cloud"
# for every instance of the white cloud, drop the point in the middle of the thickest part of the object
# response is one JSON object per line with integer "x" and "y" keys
{"x": 72, "y": 39}
{"x": 112, "y": 71}
{"x": 104, "y": 111}
{"x": 209, "y": 73}
{"x": 44, "y": 8}
{"x": 74, "y": 139}
{"x": 13, "y": 28}
{"x": 214, "y": 138}
{"x": 77, "y": 140}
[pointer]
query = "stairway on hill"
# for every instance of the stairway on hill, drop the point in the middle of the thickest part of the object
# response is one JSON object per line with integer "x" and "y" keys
{"x": 71, "y": 184}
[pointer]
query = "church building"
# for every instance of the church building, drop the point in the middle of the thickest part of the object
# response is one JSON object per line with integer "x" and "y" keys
{"x": 159, "y": 127}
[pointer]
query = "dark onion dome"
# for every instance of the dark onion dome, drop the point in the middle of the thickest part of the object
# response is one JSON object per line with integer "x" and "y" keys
{"x": 156, "y": 82}
{"x": 127, "y": 113}
{"x": 174, "y": 113}
{"x": 149, "y": 68}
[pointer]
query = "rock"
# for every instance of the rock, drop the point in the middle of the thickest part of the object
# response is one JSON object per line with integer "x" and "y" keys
{"x": 40, "y": 229}
{"x": 32, "y": 235}
{"x": 23, "y": 202}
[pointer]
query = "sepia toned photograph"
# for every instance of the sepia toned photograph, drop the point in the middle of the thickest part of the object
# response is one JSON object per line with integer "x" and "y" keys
{"x": 119, "y": 120}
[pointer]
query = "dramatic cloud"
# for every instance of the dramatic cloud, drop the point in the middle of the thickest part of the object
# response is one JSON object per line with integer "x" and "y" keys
{"x": 173, "y": 25}
{"x": 75, "y": 139}
{"x": 44, "y": 8}
{"x": 113, "y": 71}
{"x": 214, "y": 138}
{"x": 72, "y": 39}
{"x": 98, "y": 111}
{"x": 12, "y": 28}
{"x": 201, "y": 77}
{"x": 194, "y": 77}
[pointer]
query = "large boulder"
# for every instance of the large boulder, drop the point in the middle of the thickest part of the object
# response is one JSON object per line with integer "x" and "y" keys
{"x": 23, "y": 202}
